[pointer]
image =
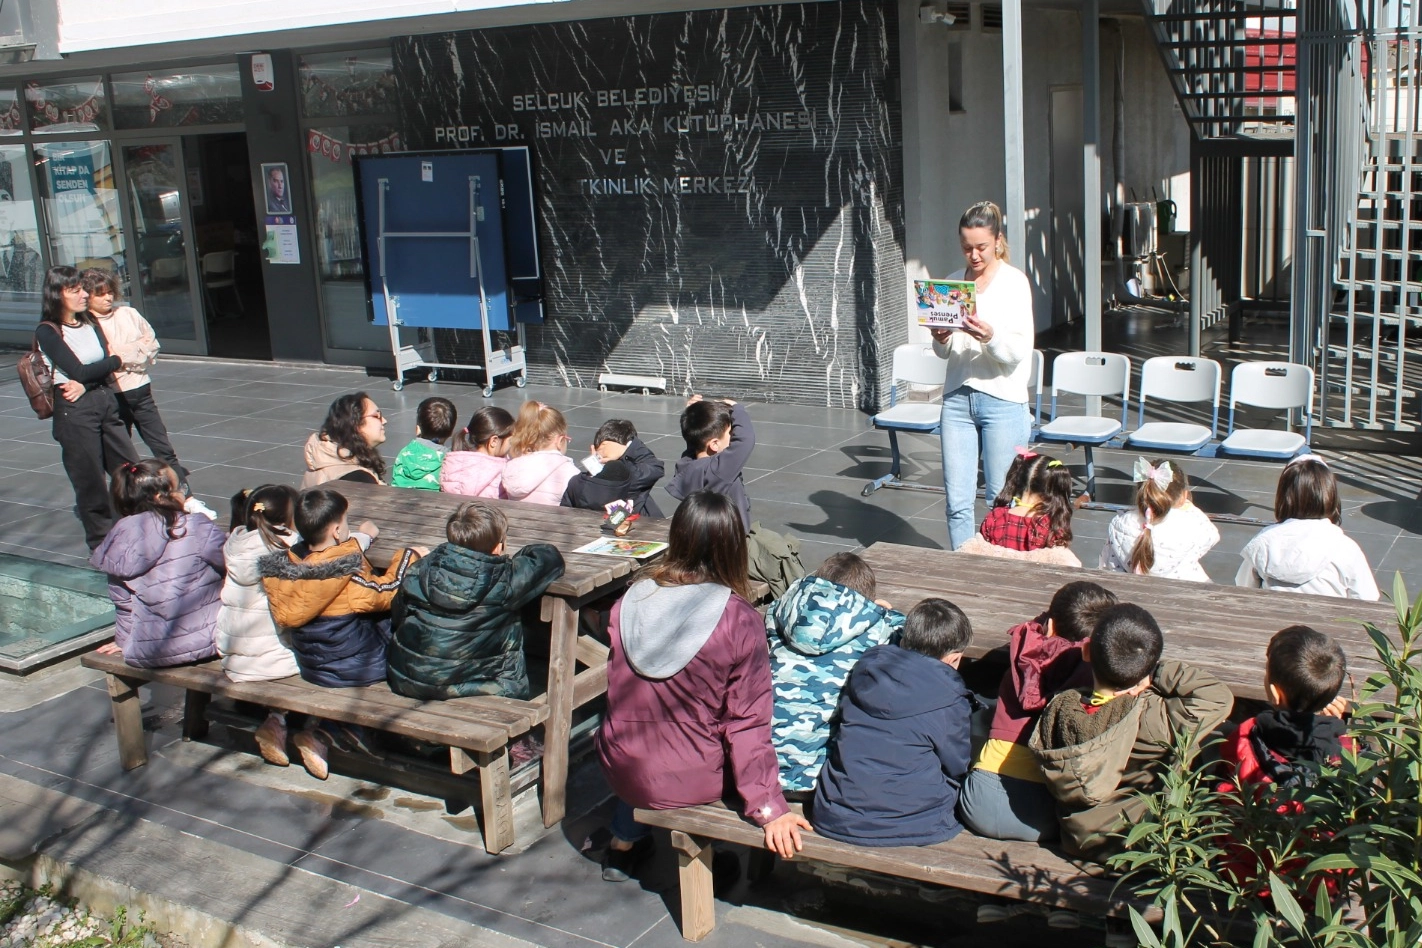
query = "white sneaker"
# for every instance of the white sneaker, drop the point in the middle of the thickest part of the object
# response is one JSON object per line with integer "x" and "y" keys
{"x": 194, "y": 506}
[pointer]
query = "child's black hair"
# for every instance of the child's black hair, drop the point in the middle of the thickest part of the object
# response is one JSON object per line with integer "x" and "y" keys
{"x": 616, "y": 430}
{"x": 702, "y": 421}
{"x": 1077, "y": 607}
{"x": 436, "y": 418}
{"x": 317, "y": 510}
{"x": 1050, "y": 480}
{"x": 1125, "y": 646}
{"x": 269, "y": 509}
{"x": 1307, "y": 666}
{"x": 147, "y": 485}
{"x": 488, "y": 423}
{"x": 617, "y": 471}
{"x": 936, "y": 628}
{"x": 849, "y": 570}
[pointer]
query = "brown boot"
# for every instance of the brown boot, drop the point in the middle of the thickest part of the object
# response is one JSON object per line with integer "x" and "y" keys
{"x": 271, "y": 741}
{"x": 313, "y": 753}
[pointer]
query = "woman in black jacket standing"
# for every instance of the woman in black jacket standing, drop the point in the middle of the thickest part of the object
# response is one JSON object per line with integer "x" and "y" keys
{"x": 86, "y": 418}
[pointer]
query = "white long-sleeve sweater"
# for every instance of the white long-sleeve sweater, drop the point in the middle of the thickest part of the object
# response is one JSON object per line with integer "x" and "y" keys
{"x": 1002, "y": 366}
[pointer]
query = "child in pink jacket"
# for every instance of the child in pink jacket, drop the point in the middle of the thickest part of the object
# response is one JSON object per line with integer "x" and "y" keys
{"x": 539, "y": 468}
{"x": 477, "y": 455}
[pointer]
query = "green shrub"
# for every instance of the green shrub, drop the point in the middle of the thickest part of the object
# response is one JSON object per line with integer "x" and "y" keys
{"x": 1348, "y": 843}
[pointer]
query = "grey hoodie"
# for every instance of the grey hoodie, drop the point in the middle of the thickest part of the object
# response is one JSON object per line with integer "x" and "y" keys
{"x": 663, "y": 627}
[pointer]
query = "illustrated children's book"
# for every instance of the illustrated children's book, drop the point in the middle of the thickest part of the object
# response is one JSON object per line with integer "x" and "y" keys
{"x": 615, "y": 546}
{"x": 945, "y": 304}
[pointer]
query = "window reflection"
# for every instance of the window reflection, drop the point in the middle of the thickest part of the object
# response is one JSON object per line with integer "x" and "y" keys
{"x": 207, "y": 95}
{"x": 347, "y": 83}
{"x": 21, "y": 266}
{"x": 332, "y": 153}
{"x": 68, "y": 105}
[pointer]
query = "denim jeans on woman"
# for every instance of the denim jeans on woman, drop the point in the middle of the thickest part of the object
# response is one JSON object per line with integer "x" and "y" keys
{"x": 973, "y": 419}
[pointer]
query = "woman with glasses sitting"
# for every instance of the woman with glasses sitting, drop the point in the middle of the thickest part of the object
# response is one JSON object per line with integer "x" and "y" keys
{"x": 347, "y": 446}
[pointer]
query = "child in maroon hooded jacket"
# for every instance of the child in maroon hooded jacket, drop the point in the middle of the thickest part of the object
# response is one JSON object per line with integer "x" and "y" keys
{"x": 1005, "y": 796}
{"x": 689, "y": 690}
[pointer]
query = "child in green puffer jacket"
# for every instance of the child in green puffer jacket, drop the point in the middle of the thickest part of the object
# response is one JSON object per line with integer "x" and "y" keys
{"x": 418, "y": 463}
{"x": 457, "y": 628}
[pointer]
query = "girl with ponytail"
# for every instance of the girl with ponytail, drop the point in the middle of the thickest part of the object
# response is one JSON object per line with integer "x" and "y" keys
{"x": 1166, "y": 535}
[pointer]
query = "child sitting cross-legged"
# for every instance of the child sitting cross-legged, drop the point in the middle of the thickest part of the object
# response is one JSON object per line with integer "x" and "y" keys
{"x": 456, "y": 624}
{"x": 334, "y": 606}
{"x": 1031, "y": 518}
{"x": 1005, "y": 796}
{"x": 629, "y": 471}
{"x": 817, "y": 631}
{"x": 1100, "y": 744}
{"x": 903, "y": 746}
{"x": 1166, "y": 535}
{"x": 418, "y": 464}
{"x": 477, "y": 454}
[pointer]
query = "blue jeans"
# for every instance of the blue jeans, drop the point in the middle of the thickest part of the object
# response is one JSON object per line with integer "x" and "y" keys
{"x": 998, "y": 807}
{"x": 624, "y": 827}
{"x": 972, "y": 419}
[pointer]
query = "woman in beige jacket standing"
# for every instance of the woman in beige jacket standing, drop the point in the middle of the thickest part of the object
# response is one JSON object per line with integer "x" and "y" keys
{"x": 131, "y": 338}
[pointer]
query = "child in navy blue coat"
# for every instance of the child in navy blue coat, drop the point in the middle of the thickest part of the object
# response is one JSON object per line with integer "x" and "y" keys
{"x": 904, "y": 742}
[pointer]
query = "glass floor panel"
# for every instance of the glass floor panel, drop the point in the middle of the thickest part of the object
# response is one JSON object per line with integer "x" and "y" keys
{"x": 44, "y": 606}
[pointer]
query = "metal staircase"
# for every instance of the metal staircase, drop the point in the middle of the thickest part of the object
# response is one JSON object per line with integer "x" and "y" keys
{"x": 1371, "y": 343}
{"x": 1231, "y": 63}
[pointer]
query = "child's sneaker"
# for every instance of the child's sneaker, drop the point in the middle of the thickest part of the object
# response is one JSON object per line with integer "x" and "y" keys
{"x": 1063, "y": 919}
{"x": 194, "y": 506}
{"x": 313, "y": 753}
{"x": 271, "y": 741}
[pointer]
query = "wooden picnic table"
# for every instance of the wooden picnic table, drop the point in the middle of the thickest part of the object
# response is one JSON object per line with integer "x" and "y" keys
{"x": 416, "y": 518}
{"x": 1223, "y": 629}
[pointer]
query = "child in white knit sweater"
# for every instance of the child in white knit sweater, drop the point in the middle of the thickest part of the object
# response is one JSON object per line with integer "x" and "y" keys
{"x": 131, "y": 338}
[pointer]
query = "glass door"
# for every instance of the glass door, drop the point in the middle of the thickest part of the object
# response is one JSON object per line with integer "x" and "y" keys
{"x": 165, "y": 270}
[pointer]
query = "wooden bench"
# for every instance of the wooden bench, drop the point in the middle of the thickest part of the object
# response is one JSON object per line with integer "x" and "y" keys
{"x": 1025, "y": 871}
{"x": 476, "y": 730}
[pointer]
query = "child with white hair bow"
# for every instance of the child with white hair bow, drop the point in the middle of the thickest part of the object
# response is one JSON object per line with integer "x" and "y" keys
{"x": 1166, "y": 535}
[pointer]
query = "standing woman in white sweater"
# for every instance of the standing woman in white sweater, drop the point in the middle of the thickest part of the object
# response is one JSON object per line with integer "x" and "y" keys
{"x": 989, "y": 362}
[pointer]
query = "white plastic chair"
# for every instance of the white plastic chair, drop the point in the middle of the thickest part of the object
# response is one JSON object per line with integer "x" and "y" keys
{"x": 914, "y": 364}
{"x": 1283, "y": 386}
{"x": 219, "y": 272}
{"x": 1088, "y": 373}
{"x": 1177, "y": 379}
{"x": 1034, "y": 384}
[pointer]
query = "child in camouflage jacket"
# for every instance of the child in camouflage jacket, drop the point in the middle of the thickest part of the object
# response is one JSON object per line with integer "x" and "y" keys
{"x": 817, "y": 631}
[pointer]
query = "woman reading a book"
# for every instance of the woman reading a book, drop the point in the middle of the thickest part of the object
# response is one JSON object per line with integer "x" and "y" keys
{"x": 989, "y": 361}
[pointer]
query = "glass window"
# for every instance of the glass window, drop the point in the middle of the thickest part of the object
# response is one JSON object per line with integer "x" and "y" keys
{"x": 68, "y": 105}
{"x": 12, "y": 119}
{"x": 81, "y": 206}
{"x": 332, "y": 151}
{"x": 350, "y": 83}
{"x": 204, "y": 95}
{"x": 21, "y": 266}
{"x": 155, "y": 194}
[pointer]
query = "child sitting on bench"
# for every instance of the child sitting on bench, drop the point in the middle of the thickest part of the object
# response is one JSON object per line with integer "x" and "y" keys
{"x": 334, "y": 606}
{"x": 456, "y": 621}
{"x": 904, "y": 744}
{"x": 1101, "y": 743}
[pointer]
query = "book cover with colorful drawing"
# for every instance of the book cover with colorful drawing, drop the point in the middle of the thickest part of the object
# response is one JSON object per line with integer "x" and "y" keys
{"x": 945, "y": 304}
{"x": 615, "y": 546}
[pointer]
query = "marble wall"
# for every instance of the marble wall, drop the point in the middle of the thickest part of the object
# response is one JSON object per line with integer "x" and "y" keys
{"x": 719, "y": 191}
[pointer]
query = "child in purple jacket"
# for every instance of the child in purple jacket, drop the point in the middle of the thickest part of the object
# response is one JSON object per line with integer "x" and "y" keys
{"x": 165, "y": 569}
